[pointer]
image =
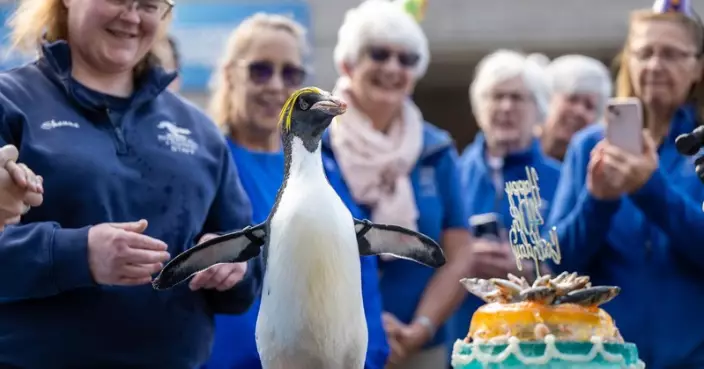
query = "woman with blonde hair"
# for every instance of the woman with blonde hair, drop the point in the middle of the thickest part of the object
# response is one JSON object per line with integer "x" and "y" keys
{"x": 263, "y": 64}
{"x": 635, "y": 220}
{"x": 93, "y": 117}
{"x": 401, "y": 170}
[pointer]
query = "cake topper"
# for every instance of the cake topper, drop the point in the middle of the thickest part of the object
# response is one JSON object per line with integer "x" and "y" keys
{"x": 677, "y": 6}
{"x": 524, "y": 235}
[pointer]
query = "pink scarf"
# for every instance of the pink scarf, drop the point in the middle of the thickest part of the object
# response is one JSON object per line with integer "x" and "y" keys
{"x": 375, "y": 165}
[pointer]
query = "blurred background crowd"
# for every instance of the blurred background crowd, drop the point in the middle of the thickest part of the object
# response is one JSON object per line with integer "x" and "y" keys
{"x": 446, "y": 104}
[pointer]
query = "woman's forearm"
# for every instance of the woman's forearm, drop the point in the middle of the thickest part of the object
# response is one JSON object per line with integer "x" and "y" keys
{"x": 444, "y": 293}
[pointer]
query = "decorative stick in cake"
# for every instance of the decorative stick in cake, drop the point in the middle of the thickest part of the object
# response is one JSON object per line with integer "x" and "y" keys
{"x": 524, "y": 235}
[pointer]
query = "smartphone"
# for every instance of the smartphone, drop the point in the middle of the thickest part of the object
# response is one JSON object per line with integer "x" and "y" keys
{"x": 624, "y": 124}
{"x": 485, "y": 225}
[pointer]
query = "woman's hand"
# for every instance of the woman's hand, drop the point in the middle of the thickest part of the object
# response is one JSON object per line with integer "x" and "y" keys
{"x": 404, "y": 339}
{"x": 492, "y": 259}
{"x": 613, "y": 172}
{"x": 20, "y": 173}
{"x": 413, "y": 337}
{"x": 221, "y": 277}
{"x": 393, "y": 328}
{"x": 626, "y": 171}
{"x": 119, "y": 254}
{"x": 597, "y": 183}
{"x": 20, "y": 188}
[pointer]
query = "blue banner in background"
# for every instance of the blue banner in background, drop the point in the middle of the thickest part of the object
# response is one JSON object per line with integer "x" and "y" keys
{"x": 9, "y": 59}
{"x": 201, "y": 31}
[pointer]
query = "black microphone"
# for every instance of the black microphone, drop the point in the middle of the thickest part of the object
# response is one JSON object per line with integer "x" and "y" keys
{"x": 690, "y": 143}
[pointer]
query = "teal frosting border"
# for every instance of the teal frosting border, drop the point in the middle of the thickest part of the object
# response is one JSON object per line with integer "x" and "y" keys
{"x": 594, "y": 352}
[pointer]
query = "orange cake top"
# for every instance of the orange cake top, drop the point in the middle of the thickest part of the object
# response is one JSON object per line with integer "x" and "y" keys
{"x": 565, "y": 306}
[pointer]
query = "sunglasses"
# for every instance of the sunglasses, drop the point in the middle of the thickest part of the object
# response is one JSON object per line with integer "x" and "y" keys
{"x": 381, "y": 55}
{"x": 261, "y": 72}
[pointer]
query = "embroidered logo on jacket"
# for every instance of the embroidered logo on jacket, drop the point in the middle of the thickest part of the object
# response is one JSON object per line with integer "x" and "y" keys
{"x": 177, "y": 138}
{"x": 51, "y": 124}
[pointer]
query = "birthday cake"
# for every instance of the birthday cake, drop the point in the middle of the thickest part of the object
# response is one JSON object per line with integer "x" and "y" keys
{"x": 554, "y": 322}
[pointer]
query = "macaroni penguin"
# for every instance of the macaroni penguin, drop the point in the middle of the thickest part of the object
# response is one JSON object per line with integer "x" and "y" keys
{"x": 311, "y": 314}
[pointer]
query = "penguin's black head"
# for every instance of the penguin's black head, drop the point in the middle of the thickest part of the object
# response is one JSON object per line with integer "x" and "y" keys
{"x": 308, "y": 112}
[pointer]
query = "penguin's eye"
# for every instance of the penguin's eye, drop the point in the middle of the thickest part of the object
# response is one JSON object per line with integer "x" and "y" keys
{"x": 303, "y": 104}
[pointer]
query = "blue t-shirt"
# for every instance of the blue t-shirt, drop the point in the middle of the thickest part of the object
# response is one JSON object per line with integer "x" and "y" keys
{"x": 649, "y": 243}
{"x": 261, "y": 175}
{"x": 436, "y": 187}
{"x": 480, "y": 181}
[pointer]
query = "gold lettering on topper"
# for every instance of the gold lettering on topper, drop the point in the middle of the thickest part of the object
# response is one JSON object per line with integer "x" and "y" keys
{"x": 524, "y": 235}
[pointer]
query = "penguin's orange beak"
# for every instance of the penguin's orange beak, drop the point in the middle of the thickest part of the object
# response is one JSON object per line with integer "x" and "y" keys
{"x": 330, "y": 105}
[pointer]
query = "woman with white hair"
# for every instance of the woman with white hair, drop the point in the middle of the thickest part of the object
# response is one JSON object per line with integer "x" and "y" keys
{"x": 400, "y": 169}
{"x": 580, "y": 86}
{"x": 509, "y": 98}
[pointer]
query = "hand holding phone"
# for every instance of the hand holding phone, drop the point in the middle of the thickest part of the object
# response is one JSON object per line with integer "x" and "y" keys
{"x": 624, "y": 124}
{"x": 492, "y": 256}
{"x": 485, "y": 225}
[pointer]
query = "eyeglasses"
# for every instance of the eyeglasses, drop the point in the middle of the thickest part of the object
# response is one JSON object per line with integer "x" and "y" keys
{"x": 514, "y": 97}
{"x": 667, "y": 55}
{"x": 149, "y": 8}
{"x": 381, "y": 55}
{"x": 262, "y": 71}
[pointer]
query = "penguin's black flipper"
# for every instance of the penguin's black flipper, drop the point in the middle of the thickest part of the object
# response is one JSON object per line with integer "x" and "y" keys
{"x": 232, "y": 247}
{"x": 374, "y": 239}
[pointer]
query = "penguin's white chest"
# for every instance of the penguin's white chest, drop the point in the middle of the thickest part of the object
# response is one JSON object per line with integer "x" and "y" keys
{"x": 312, "y": 295}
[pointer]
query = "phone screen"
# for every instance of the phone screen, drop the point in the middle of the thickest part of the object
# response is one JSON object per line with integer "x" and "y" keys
{"x": 485, "y": 225}
{"x": 624, "y": 124}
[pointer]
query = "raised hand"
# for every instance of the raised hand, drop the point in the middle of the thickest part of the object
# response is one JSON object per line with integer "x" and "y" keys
{"x": 118, "y": 254}
{"x": 20, "y": 188}
{"x": 220, "y": 277}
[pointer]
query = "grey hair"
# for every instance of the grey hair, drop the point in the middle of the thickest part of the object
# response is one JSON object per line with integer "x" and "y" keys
{"x": 380, "y": 21}
{"x": 572, "y": 74}
{"x": 503, "y": 65}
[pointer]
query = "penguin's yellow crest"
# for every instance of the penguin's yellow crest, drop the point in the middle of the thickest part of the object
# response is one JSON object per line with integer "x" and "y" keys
{"x": 287, "y": 110}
